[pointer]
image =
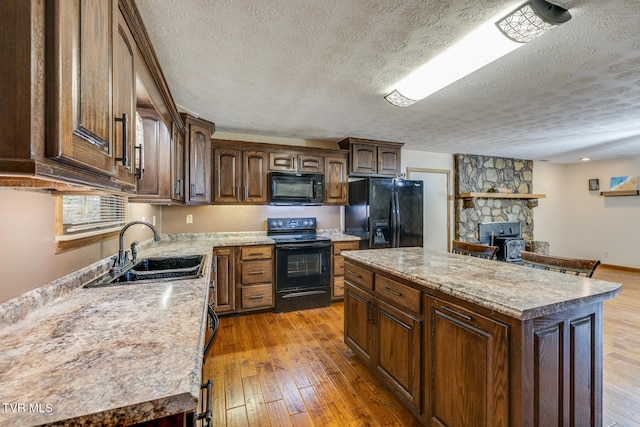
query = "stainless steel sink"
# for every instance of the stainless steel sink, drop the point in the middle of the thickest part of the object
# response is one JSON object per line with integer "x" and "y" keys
{"x": 159, "y": 269}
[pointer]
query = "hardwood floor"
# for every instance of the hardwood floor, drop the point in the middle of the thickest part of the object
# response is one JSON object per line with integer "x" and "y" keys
{"x": 293, "y": 369}
{"x": 621, "y": 352}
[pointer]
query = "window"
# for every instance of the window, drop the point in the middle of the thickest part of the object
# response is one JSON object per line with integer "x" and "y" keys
{"x": 83, "y": 219}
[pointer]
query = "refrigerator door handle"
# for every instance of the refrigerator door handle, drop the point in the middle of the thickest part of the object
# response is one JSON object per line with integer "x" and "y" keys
{"x": 393, "y": 221}
{"x": 397, "y": 219}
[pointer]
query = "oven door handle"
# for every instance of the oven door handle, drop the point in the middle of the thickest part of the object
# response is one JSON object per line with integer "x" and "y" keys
{"x": 304, "y": 246}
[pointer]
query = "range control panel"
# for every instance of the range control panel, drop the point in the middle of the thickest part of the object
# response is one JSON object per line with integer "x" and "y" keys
{"x": 282, "y": 224}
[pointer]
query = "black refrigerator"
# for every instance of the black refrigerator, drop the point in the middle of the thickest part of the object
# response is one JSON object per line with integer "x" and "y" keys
{"x": 385, "y": 212}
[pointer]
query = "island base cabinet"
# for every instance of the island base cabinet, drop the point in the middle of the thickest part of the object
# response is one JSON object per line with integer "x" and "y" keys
{"x": 387, "y": 340}
{"x": 466, "y": 367}
{"x": 398, "y": 353}
{"x": 358, "y": 322}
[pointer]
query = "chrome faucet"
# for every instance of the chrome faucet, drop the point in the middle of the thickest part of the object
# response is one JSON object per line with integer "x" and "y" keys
{"x": 121, "y": 261}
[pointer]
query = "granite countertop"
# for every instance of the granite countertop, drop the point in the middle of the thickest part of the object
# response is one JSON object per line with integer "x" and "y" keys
{"x": 516, "y": 291}
{"x": 109, "y": 355}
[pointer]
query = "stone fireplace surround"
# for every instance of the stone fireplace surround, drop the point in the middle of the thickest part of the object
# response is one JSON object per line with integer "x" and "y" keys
{"x": 482, "y": 174}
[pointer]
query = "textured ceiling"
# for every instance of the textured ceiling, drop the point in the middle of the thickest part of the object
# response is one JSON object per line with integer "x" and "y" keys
{"x": 318, "y": 69}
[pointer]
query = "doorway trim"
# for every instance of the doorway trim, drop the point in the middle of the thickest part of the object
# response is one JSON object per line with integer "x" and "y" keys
{"x": 449, "y": 195}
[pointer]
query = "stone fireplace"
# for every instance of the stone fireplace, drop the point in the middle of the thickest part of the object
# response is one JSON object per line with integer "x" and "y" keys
{"x": 496, "y": 176}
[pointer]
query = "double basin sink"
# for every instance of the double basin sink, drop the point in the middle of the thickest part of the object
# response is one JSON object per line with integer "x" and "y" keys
{"x": 158, "y": 269}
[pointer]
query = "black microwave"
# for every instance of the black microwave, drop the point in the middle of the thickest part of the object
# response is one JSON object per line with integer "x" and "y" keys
{"x": 296, "y": 188}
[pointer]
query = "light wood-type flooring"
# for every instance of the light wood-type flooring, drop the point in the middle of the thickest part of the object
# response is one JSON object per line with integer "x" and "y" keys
{"x": 293, "y": 369}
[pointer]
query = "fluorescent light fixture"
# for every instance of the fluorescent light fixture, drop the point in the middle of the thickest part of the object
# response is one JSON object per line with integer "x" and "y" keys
{"x": 490, "y": 41}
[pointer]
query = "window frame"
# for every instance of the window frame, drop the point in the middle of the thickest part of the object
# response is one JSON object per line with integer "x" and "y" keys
{"x": 65, "y": 242}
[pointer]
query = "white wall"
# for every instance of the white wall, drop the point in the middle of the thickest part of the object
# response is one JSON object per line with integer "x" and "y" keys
{"x": 27, "y": 253}
{"x": 581, "y": 223}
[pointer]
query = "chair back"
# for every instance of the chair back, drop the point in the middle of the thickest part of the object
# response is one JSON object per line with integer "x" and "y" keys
{"x": 473, "y": 249}
{"x": 575, "y": 266}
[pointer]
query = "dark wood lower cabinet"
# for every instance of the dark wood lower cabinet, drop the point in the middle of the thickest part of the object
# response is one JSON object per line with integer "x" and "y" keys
{"x": 387, "y": 339}
{"x": 224, "y": 278}
{"x": 466, "y": 367}
{"x": 398, "y": 352}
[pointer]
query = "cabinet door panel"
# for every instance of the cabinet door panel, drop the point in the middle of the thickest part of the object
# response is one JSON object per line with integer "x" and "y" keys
{"x": 310, "y": 164}
{"x": 227, "y": 175}
{"x": 79, "y": 101}
{"x": 358, "y": 326}
{"x": 199, "y": 164}
{"x": 255, "y": 177}
{"x": 283, "y": 162}
{"x": 335, "y": 181}
{"x": 124, "y": 81}
{"x": 399, "y": 346}
{"x": 364, "y": 159}
{"x": 388, "y": 161}
{"x": 177, "y": 163}
{"x": 467, "y": 370}
{"x": 225, "y": 279}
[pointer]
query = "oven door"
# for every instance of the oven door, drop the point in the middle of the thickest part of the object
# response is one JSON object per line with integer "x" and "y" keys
{"x": 302, "y": 265}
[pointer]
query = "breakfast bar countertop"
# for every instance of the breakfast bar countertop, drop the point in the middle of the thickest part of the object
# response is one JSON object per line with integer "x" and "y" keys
{"x": 516, "y": 291}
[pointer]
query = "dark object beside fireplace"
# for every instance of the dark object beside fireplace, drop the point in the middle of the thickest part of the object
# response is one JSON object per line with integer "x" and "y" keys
{"x": 506, "y": 235}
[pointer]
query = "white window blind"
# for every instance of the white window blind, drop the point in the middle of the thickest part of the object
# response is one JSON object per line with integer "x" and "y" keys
{"x": 91, "y": 215}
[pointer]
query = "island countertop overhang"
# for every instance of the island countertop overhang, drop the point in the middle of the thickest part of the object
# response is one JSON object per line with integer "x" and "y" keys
{"x": 513, "y": 290}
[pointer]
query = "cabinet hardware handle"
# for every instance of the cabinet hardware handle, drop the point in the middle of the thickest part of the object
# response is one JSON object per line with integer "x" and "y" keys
{"x": 259, "y": 296}
{"x": 246, "y": 192}
{"x": 354, "y": 274}
{"x": 236, "y": 193}
{"x": 452, "y": 311}
{"x": 391, "y": 291}
{"x": 207, "y": 414}
{"x": 254, "y": 254}
{"x": 379, "y": 165}
{"x": 125, "y": 139}
{"x": 139, "y": 169}
{"x": 373, "y": 165}
{"x": 253, "y": 273}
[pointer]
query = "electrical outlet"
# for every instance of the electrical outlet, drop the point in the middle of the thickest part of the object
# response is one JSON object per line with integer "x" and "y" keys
{"x": 606, "y": 255}
{"x": 189, "y": 219}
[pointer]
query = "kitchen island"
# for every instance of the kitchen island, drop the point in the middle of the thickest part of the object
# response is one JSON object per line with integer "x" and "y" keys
{"x": 467, "y": 341}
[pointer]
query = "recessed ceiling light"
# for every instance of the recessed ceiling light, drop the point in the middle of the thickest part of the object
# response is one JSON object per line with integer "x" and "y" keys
{"x": 585, "y": 159}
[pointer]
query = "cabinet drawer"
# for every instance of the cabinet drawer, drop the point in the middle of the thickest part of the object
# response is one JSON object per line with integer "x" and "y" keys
{"x": 338, "y": 287}
{"x": 358, "y": 275}
{"x": 256, "y": 271}
{"x": 255, "y": 252}
{"x": 344, "y": 246}
{"x": 401, "y": 294}
{"x": 338, "y": 265}
{"x": 256, "y": 296}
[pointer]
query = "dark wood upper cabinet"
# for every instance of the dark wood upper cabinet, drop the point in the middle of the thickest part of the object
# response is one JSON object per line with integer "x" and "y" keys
{"x": 177, "y": 163}
{"x": 70, "y": 93}
{"x": 240, "y": 176}
{"x": 199, "y": 157}
{"x": 154, "y": 184}
{"x": 227, "y": 175}
{"x": 290, "y": 161}
{"x": 91, "y": 94}
{"x": 372, "y": 158}
{"x": 335, "y": 181}
{"x": 254, "y": 181}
